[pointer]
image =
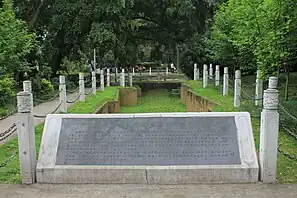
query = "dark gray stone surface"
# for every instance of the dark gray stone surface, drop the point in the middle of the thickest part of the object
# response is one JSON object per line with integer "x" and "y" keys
{"x": 148, "y": 141}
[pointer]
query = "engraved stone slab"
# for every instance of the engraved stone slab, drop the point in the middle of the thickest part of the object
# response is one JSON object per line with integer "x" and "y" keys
{"x": 148, "y": 141}
{"x": 155, "y": 148}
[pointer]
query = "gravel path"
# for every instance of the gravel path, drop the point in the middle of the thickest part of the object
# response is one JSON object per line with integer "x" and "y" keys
{"x": 41, "y": 109}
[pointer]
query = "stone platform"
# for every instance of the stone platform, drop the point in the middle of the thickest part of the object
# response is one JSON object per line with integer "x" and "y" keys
{"x": 162, "y": 148}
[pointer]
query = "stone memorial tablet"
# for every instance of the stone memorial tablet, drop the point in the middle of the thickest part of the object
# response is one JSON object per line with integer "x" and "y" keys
{"x": 161, "y": 148}
{"x": 148, "y": 141}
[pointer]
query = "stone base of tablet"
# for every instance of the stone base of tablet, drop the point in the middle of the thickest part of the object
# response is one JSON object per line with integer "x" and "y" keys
{"x": 159, "y": 148}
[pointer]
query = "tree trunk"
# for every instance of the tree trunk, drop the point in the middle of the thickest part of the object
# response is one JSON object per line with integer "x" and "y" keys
{"x": 177, "y": 58}
{"x": 287, "y": 87}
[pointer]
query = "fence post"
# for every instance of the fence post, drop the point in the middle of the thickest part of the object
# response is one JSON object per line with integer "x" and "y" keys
{"x": 62, "y": 90}
{"x": 237, "y": 88}
{"x": 217, "y": 77}
{"x": 167, "y": 71}
{"x": 94, "y": 88}
{"x": 133, "y": 71}
{"x": 107, "y": 77}
{"x": 225, "y": 82}
{"x": 205, "y": 76}
{"x": 269, "y": 133}
{"x": 150, "y": 71}
{"x": 27, "y": 87}
{"x": 130, "y": 80}
{"x": 195, "y": 71}
{"x": 102, "y": 80}
{"x": 26, "y": 137}
{"x": 210, "y": 71}
{"x": 122, "y": 82}
{"x": 259, "y": 89}
{"x": 81, "y": 83}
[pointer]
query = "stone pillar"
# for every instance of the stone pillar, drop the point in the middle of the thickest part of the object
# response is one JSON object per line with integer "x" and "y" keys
{"x": 198, "y": 73}
{"x": 81, "y": 87}
{"x": 225, "y": 82}
{"x": 62, "y": 90}
{"x": 167, "y": 72}
{"x": 195, "y": 71}
{"x": 205, "y": 76}
{"x": 259, "y": 89}
{"x": 94, "y": 88}
{"x": 108, "y": 77}
{"x": 210, "y": 71}
{"x": 102, "y": 80}
{"x": 122, "y": 78}
{"x": 27, "y": 87}
{"x": 269, "y": 133}
{"x": 130, "y": 80}
{"x": 217, "y": 76}
{"x": 237, "y": 89}
{"x": 150, "y": 71}
{"x": 26, "y": 137}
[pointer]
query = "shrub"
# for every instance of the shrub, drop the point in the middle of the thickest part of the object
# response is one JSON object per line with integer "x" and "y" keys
{"x": 6, "y": 90}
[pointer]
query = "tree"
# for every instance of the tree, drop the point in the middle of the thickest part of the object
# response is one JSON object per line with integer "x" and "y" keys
{"x": 16, "y": 42}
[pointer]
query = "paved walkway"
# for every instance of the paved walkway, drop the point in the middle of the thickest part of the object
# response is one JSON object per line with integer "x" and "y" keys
{"x": 149, "y": 191}
{"x": 41, "y": 109}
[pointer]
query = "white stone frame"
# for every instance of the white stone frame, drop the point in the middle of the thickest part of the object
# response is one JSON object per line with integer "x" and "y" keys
{"x": 246, "y": 172}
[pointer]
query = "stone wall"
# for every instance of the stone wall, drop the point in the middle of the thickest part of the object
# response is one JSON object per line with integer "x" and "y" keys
{"x": 125, "y": 97}
{"x": 128, "y": 96}
{"x": 194, "y": 102}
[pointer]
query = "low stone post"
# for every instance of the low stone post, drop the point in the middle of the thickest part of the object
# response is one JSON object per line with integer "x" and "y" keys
{"x": 81, "y": 87}
{"x": 107, "y": 77}
{"x": 237, "y": 89}
{"x": 269, "y": 133}
{"x": 217, "y": 75}
{"x": 259, "y": 89}
{"x": 210, "y": 71}
{"x": 27, "y": 87}
{"x": 150, "y": 71}
{"x": 130, "y": 80}
{"x": 26, "y": 137}
{"x": 205, "y": 76}
{"x": 94, "y": 88}
{"x": 62, "y": 90}
{"x": 195, "y": 71}
{"x": 225, "y": 82}
{"x": 102, "y": 80}
{"x": 167, "y": 72}
{"x": 122, "y": 78}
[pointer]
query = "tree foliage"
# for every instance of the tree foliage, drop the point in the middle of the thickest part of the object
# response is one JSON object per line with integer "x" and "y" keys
{"x": 252, "y": 34}
{"x": 15, "y": 42}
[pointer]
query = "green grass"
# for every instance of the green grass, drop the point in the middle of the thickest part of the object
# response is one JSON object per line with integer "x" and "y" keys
{"x": 287, "y": 168}
{"x": 94, "y": 101}
{"x": 156, "y": 101}
{"x": 11, "y": 172}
